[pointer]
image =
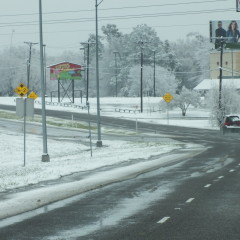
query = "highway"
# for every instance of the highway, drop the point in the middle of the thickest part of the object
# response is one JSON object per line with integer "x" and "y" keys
{"x": 196, "y": 198}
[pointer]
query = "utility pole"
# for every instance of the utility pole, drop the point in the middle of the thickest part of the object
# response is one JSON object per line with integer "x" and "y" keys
{"x": 99, "y": 141}
{"x": 220, "y": 82}
{"x": 141, "y": 82}
{"x": 30, "y": 44}
{"x": 116, "y": 70}
{"x": 154, "y": 73}
{"x": 88, "y": 61}
{"x": 84, "y": 61}
{"x": 141, "y": 43}
{"x": 45, "y": 156}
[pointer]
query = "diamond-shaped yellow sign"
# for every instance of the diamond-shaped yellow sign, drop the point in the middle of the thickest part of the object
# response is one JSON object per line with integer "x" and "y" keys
{"x": 33, "y": 95}
{"x": 21, "y": 90}
{"x": 168, "y": 97}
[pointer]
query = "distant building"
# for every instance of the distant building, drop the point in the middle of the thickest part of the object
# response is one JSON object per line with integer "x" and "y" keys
{"x": 230, "y": 71}
{"x": 230, "y": 64}
{"x": 209, "y": 84}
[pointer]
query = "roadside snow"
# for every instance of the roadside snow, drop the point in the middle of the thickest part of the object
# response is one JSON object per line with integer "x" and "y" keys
{"x": 66, "y": 157}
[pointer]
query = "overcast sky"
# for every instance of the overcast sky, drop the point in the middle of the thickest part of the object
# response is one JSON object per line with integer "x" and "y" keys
{"x": 67, "y": 23}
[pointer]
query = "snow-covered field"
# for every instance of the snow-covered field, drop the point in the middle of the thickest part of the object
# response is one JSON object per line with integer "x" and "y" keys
{"x": 70, "y": 157}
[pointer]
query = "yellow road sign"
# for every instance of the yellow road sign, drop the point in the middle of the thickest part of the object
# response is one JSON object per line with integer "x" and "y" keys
{"x": 33, "y": 95}
{"x": 21, "y": 90}
{"x": 168, "y": 97}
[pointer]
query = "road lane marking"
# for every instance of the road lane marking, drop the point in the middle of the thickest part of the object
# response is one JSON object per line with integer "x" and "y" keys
{"x": 221, "y": 177}
{"x": 163, "y": 220}
{"x": 207, "y": 186}
{"x": 190, "y": 200}
{"x": 232, "y": 170}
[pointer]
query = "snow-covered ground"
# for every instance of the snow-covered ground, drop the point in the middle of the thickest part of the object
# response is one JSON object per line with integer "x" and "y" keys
{"x": 70, "y": 157}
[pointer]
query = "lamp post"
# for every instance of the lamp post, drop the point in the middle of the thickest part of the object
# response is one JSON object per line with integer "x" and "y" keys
{"x": 99, "y": 141}
{"x": 45, "y": 156}
{"x": 116, "y": 71}
{"x": 45, "y": 68}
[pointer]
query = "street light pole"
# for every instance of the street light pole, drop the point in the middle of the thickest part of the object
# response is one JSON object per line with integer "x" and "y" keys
{"x": 116, "y": 71}
{"x": 99, "y": 141}
{"x": 45, "y": 156}
{"x": 45, "y": 68}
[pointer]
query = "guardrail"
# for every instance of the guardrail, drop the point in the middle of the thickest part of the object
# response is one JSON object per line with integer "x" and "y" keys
{"x": 127, "y": 110}
{"x": 63, "y": 104}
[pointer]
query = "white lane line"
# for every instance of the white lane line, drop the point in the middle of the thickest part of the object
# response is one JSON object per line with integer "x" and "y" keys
{"x": 190, "y": 200}
{"x": 163, "y": 220}
{"x": 221, "y": 177}
{"x": 232, "y": 170}
{"x": 208, "y": 185}
{"x": 239, "y": 164}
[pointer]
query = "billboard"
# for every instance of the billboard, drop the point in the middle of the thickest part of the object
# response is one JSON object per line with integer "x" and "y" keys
{"x": 238, "y": 5}
{"x": 225, "y": 29}
{"x": 65, "y": 71}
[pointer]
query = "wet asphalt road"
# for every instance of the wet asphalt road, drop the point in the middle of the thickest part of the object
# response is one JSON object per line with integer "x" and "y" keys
{"x": 194, "y": 199}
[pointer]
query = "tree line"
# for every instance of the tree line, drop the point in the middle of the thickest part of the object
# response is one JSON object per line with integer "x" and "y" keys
{"x": 174, "y": 65}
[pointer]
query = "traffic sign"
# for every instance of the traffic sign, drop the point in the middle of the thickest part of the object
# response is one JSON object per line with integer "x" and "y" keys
{"x": 33, "y": 95}
{"x": 21, "y": 90}
{"x": 168, "y": 97}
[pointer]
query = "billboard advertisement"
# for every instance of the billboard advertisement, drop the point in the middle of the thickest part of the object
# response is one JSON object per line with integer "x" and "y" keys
{"x": 228, "y": 30}
{"x": 65, "y": 71}
{"x": 238, "y": 5}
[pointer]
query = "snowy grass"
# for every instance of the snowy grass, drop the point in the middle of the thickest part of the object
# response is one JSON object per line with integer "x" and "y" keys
{"x": 66, "y": 158}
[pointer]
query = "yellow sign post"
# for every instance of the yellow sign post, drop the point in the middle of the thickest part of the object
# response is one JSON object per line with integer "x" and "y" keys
{"x": 33, "y": 95}
{"x": 21, "y": 90}
{"x": 168, "y": 97}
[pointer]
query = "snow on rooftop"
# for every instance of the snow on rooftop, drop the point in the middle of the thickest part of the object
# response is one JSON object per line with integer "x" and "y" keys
{"x": 208, "y": 84}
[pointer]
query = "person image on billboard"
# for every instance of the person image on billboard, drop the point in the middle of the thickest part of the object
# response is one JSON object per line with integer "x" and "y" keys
{"x": 219, "y": 32}
{"x": 232, "y": 33}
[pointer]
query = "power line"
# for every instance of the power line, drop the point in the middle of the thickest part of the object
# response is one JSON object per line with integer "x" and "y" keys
{"x": 91, "y": 30}
{"x": 112, "y": 18}
{"x": 168, "y": 4}
{"x": 119, "y": 8}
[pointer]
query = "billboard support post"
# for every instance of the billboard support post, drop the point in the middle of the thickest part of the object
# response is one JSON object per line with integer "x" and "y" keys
{"x": 73, "y": 90}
